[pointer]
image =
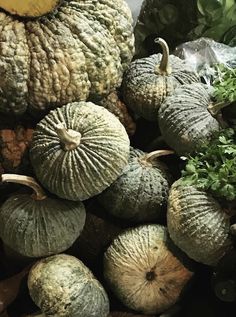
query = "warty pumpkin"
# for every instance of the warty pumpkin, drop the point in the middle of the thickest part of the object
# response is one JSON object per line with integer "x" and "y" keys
{"x": 142, "y": 271}
{"x": 82, "y": 146}
{"x": 148, "y": 81}
{"x": 77, "y": 51}
{"x": 62, "y": 286}
{"x": 37, "y": 225}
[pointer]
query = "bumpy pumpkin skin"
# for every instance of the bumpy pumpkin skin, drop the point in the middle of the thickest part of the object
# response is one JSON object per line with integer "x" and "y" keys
{"x": 142, "y": 271}
{"x": 88, "y": 169}
{"x": 141, "y": 192}
{"x": 184, "y": 120}
{"x": 62, "y": 286}
{"x": 197, "y": 224}
{"x": 80, "y": 51}
{"x": 37, "y": 228}
{"x": 144, "y": 90}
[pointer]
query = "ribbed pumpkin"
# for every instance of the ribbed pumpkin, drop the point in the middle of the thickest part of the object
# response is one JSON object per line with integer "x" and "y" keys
{"x": 184, "y": 119}
{"x": 148, "y": 81}
{"x": 37, "y": 225}
{"x": 62, "y": 286}
{"x": 197, "y": 224}
{"x": 141, "y": 192}
{"x": 142, "y": 271}
{"x": 79, "y": 150}
{"x": 77, "y": 51}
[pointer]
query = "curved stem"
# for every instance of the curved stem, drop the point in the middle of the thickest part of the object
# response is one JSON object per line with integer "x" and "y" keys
{"x": 27, "y": 181}
{"x": 69, "y": 138}
{"x": 215, "y": 108}
{"x": 164, "y": 67}
{"x": 151, "y": 157}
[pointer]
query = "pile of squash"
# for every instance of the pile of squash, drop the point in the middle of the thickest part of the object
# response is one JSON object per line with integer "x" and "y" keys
{"x": 93, "y": 210}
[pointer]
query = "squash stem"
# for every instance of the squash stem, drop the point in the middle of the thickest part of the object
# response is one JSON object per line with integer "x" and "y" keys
{"x": 164, "y": 67}
{"x": 151, "y": 157}
{"x": 27, "y": 181}
{"x": 215, "y": 108}
{"x": 69, "y": 138}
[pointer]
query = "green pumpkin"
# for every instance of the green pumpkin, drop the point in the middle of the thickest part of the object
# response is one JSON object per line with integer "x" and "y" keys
{"x": 197, "y": 223}
{"x": 37, "y": 225}
{"x": 78, "y": 150}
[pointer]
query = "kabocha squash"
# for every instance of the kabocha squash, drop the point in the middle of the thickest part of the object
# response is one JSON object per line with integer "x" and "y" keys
{"x": 197, "y": 224}
{"x": 148, "y": 81}
{"x": 79, "y": 150}
{"x": 142, "y": 271}
{"x": 184, "y": 119}
{"x": 78, "y": 51}
{"x": 141, "y": 192}
{"x": 37, "y": 225}
{"x": 62, "y": 286}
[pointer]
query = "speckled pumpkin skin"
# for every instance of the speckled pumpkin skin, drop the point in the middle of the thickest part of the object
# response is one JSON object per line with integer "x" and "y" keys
{"x": 92, "y": 166}
{"x": 135, "y": 253}
{"x": 184, "y": 120}
{"x": 62, "y": 286}
{"x": 79, "y": 51}
{"x": 37, "y": 228}
{"x": 197, "y": 224}
{"x": 141, "y": 192}
{"x": 145, "y": 90}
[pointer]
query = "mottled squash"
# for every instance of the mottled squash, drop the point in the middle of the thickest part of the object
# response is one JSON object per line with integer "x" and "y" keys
{"x": 142, "y": 271}
{"x": 62, "y": 286}
{"x": 78, "y": 51}
{"x": 83, "y": 148}
{"x": 37, "y": 225}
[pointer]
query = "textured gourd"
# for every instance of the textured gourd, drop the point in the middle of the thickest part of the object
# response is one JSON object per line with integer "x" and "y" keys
{"x": 76, "y": 52}
{"x": 37, "y": 225}
{"x": 148, "y": 81}
{"x": 141, "y": 192}
{"x": 184, "y": 119}
{"x": 83, "y": 148}
{"x": 197, "y": 224}
{"x": 142, "y": 271}
{"x": 62, "y": 286}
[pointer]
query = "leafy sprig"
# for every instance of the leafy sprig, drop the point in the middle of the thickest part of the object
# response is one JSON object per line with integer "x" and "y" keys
{"x": 225, "y": 84}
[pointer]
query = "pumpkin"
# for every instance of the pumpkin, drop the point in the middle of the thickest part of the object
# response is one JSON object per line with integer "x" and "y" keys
{"x": 142, "y": 271}
{"x": 77, "y": 51}
{"x": 82, "y": 146}
{"x": 148, "y": 81}
{"x": 184, "y": 119}
{"x": 62, "y": 286}
{"x": 141, "y": 192}
{"x": 197, "y": 224}
{"x": 37, "y": 225}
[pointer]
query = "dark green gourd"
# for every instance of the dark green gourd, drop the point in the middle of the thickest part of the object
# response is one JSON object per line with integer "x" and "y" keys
{"x": 185, "y": 120}
{"x": 197, "y": 224}
{"x": 37, "y": 225}
{"x": 62, "y": 286}
{"x": 141, "y": 192}
{"x": 148, "y": 81}
{"x": 82, "y": 147}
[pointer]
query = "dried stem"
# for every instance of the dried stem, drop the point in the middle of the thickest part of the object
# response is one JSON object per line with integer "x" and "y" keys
{"x": 164, "y": 67}
{"x": 69, "y": 138}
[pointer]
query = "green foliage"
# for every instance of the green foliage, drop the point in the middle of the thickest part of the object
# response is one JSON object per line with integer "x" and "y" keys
{"x": 214, "y": 167}
{"x": 225, "y": 84}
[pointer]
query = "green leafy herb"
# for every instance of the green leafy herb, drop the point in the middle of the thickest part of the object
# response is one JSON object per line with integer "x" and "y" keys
{"x": 225, "y": 84}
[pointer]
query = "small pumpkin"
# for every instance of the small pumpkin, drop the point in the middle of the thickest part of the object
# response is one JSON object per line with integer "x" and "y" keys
{"x": 142, "y": 271}
{"x": 37, "y": 225}
{"x": 62, "y": 286}
{"x": 148, "y": 81}
{"x": 197, "y": 223}
{"x": 141, "y": 192}
{"x": 82, "y": 146}
{"x": 185, "y": 120}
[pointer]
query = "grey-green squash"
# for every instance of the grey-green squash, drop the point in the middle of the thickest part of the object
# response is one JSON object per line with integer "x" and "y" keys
{"x": 82, "y": 146}
{"x": 36, "y": 225}
{"x": 197, "y": 223}
{"x": 142, "y": 271}
{"x": 77, "y": 49}
{"x": 185, "y": 120}
{"x": 62, "y": 286}
{"x": 148, "y": 81}
{"x": 141, "y": 192}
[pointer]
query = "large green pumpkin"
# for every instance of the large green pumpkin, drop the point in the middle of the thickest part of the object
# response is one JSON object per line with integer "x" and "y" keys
{"x": 78, "y": 51}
